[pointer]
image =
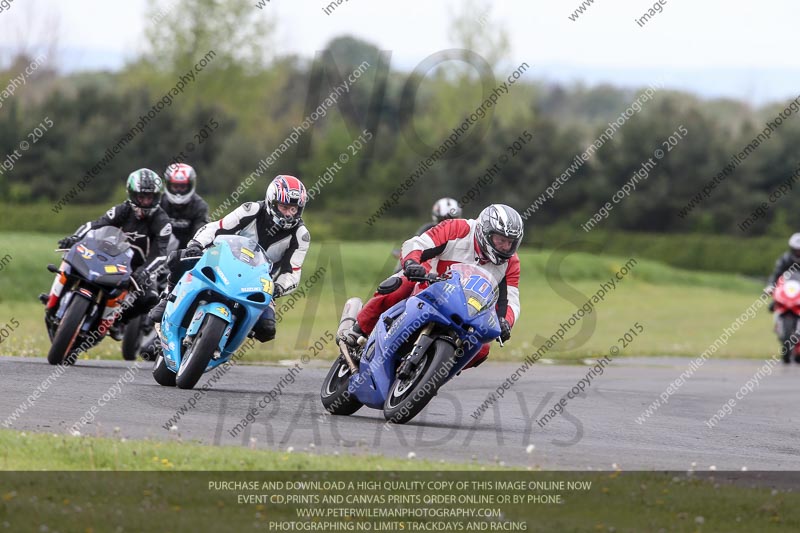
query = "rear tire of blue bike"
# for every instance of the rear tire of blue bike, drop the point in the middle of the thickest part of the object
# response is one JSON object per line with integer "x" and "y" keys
{"x": 162, "y": 374}
{"x": 335, "y": 397}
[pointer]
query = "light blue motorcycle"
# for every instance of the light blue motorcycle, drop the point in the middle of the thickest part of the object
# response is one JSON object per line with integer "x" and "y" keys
{"x": 212, "y": 310}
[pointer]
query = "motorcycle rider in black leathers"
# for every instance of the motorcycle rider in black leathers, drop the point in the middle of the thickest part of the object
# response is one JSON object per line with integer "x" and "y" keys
{"x": 187, "y": 211}
{"x": 277, "y": 224}
{"x": 148, "y": 229}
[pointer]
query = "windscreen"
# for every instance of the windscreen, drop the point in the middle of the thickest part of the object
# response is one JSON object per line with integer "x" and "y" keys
{"x": 480, "y": 287}
{"x": 244, "y": 249}
{"x": 112, "y": 240}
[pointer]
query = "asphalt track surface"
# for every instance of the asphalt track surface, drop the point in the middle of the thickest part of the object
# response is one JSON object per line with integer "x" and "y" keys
{"x": 598, "y": 430}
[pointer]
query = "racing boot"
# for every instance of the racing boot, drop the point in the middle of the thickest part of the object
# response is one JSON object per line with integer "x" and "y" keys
{"x": 157, "y": 312}
{"x": 352, "y": 336}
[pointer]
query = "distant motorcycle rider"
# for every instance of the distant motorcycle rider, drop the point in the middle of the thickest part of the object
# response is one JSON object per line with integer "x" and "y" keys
{"x": 148, "y": 230}
{"x": 188, "y": 212}
{"x": 785, "y": 262}
{"x": 276, "y": 224}
{"x": 443, "y": 209}
{"x": 491, "y": 242}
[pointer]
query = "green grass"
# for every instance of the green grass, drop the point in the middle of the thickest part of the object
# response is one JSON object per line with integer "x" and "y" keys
{"x": 683, "y": 312}
{"x": 37, "y": 451}
{"x": 162, "y": 497}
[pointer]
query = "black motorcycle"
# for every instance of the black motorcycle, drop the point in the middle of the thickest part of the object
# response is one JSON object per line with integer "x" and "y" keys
{"x": 96, "y": 276}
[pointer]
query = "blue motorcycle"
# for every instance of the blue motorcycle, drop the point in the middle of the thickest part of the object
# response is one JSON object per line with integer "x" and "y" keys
{"x": 417, "y": 346}
{"x": 212, "y": 310}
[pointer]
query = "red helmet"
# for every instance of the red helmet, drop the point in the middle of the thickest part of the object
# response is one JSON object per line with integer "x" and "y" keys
{"x": 181, "y": 180}
{"x": 290, "y": 191}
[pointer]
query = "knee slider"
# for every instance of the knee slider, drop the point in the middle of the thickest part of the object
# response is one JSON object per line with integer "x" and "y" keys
{"x": 389, "y": 285}
{"x": 264, "y": 329}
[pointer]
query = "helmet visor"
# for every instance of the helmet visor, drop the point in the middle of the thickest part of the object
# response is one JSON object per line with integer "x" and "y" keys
{"x": 505, "y": 246}
{"x": 145, "y": 199}
{"x": 287, "y": 210}
{"x": 179, "y": 187}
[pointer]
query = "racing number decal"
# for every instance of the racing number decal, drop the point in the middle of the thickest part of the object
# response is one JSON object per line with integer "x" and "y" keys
{"x": 480, "y": 285}
{"x": 266, "y": 285}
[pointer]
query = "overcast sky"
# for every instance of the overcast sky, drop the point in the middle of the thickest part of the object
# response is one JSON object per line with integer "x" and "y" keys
{"x": 745, "y": 50}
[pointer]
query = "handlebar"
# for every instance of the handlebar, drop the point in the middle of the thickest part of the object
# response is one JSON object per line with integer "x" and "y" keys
{"x": 430, "y": 278}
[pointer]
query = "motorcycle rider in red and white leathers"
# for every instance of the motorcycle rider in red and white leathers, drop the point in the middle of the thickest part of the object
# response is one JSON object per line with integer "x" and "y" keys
{"x": 443, "y": 209}
{"x": 276, "y": 224}
{"x": 491, "y": 242}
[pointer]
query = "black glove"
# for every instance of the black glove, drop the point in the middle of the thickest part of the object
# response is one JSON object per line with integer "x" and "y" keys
{"x": 68, "y": 242}
{"x": 412, "y": 269}
{"x": 277, "y": 291}
{"x": 771, "y": 307}
{"x": 142, "y": 277}
{"x": 505, "y": 330}
{"x": 193, "y": 249}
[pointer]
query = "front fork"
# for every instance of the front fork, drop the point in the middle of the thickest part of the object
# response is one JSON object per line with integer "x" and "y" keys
{"x": 409, "y": 364}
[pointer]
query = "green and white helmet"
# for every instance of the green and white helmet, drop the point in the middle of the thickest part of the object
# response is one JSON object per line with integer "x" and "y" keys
{"x": 144, "y": 191}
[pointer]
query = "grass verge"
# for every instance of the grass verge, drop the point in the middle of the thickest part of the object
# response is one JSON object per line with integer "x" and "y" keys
{"x": 88, "y": 501}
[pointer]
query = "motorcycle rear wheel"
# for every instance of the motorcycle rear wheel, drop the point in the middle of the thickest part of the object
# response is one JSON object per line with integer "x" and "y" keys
{"x": 335, "y": 397}
{"x": 131, "y": 339}
{"x": 162, "y": 374}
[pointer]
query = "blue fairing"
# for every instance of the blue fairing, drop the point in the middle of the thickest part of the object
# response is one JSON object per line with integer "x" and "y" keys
{"x": 444, "y": 303}
{"x": 229, "y": 272}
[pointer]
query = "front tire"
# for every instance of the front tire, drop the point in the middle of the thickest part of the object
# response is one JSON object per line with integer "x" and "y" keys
{"x": 787, "y": 327}
{"x": 131, "y": 339}
{"x": 407, "y": 398}
{"x": 68, "y": 330}
{"x": 335, "y": 397}
{"x": 202, "y": 349}
{"x": 162, "y": 374}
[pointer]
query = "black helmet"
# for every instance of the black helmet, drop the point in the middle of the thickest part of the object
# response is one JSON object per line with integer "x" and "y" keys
{"x": 144, "y": 191}
{"x": 501, "y": 220}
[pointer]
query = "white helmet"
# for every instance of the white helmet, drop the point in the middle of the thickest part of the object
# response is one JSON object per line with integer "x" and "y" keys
{"x": 181, "y": 181}
{"x": 445, "y": 208}
{"x": 794, "y": 244}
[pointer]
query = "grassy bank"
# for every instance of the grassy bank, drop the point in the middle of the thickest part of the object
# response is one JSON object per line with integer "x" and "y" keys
{"x": 164, "y": 498}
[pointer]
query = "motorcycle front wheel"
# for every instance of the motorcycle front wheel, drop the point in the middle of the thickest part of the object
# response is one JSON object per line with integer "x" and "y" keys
{"x": 205, "y": 343}
{"x": 407, "y": 397}
{"x": 68, "y": 330}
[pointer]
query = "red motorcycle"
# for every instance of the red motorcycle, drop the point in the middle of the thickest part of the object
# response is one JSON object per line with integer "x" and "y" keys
{"x": 787, "y": 312}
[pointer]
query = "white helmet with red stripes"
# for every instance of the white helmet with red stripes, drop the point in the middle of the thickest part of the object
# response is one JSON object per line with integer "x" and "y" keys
{"x": 286, "y": 191}
{"x": 181, "y": 180}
